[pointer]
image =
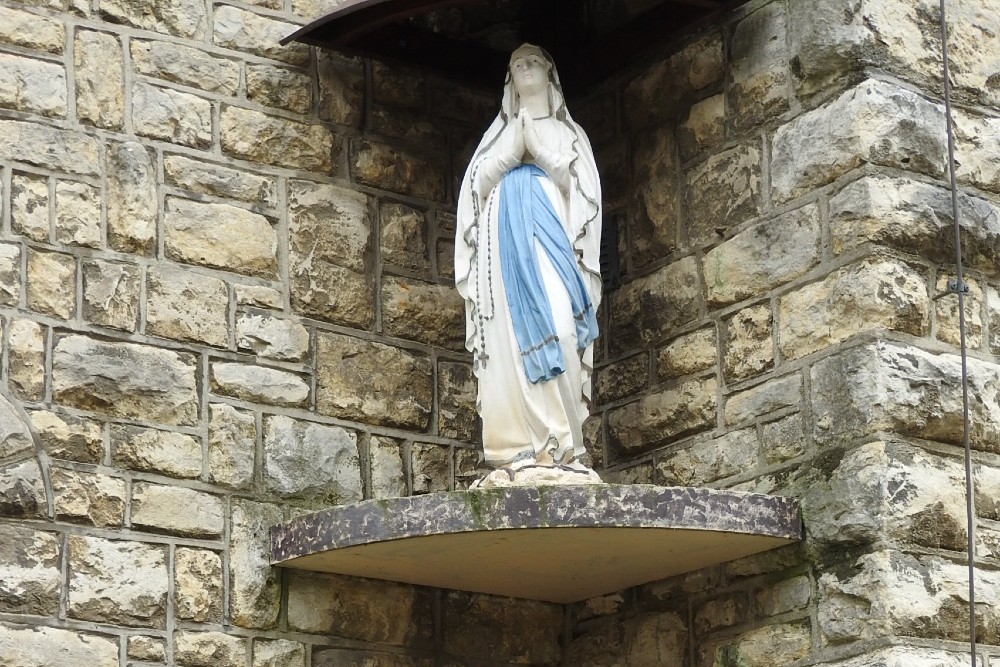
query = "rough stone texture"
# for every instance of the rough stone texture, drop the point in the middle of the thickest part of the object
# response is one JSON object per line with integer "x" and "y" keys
{"x": 209, "y": 649}
{"x": 257, "y": 137}
{"x": 647, "y": 309}
{"x": 764, "y": 256}
{"x": 874, "y": 122}
{"x": 976, "y": 151}
{"x": 430, "y": 467}
{"x": 183, "y": 18}
{"x": 15, "y": 432}
{"x": 704, "y": 127}
{"x": 209, "y": 179}
{"x": 26, "y": 359}
{"x": 31, "y": 31}
{"x": 185, "y": 65}
{"x": 111, "y": 294}
{"x": 48, "y": 275}
{"x": 170, "y": 115}
{"x": 255, "y": 591}
{"x": 278, "y": 653}
{"x": 784, "y": 439}
{"x": 749, "y": 345}
{"x": 337, "y": 657}
{"x": 702, "y": 463}
{"x": 946, "y": 315}
{"x": 31, "y": 581}
{"x": 470, "y": 617}
{"x": 770, "y": 645}
{"x": 372, "y": 383}
{"x": 151, "y": 450}
{"x": 29, "y": 206}
{"x": 655, "y": 639}
{"x": 687, "y": 354}
{"x": 721, "y": 612}
{"x": 259, "y": 384}
{"x": 124, "y": 380}
{"x": 759, "y": 90}
{"x": 62, "y": 150}
{"x": 457, "y": 416}
{"x": 100, "y": 79}
{"x": 655, "y": 197}
{"x": 341, "y": 87}
{"x": 387, "y": 473}
{"x": 95, "y": 499}
{"x": 723, "y": 192}
{"x": 311, "y": 460}
{"x": 176, "y": 510}
{"x": 142, "y": 647}
{"x": 186, "y": 306}
{"x": 622, "y": 379}
{"x": 197, "y": 585}
{"x": 131, "y": 199}
{"x": 32, "y": 85}
{"x": 877, "y": 293}
{"x": 279, "y": 87}
{"x": 22, "y": 491}
{"x": 41, "y": 646}
{"x": 783, "y": 392}
{"x": 258, "y": 295}
{"x": 245, "y": 31}
{"x": 68, "y": 437}
{"x": 686, "y": 408}
{"x": 427, "y": 312}
{"x": 231, "y": 445}
{"x": 329, "y": 230}
{"x": 272, "y": 337}
{"x": 10, "y": 274}
{"x": 396, "y": 170}
{"x": 220, "y": 236}
{"x": 404, "y": 234}
{"x": 118, "y": 582}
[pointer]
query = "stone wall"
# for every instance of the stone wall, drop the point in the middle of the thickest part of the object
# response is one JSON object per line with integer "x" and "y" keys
{"x": 226, "y": 299}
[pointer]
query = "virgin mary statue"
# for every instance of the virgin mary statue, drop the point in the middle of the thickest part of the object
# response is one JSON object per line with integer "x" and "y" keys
{"x": 526, "y": 261}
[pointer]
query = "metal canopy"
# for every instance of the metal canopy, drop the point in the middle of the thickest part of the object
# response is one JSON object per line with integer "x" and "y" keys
{"x": 471, "y": 40}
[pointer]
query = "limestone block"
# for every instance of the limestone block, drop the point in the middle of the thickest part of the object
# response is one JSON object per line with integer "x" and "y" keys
{"x": 387, "y": 473}
{"x": 258, "y": 295}
{"x": 720, "y": 612}
{"x": 29, "y": 206}
{"x": 232, "y": 436}
{"x": 49, "y": 274}
{"x": 735, "y": 453}
{"x": 598, "y": 116}
{"x": 10, "y": 274}
{"x": 874, "y": 122}
{"x": 897, "y": 388}
{"x": 62, "y": 150}
{"x": 776, "y": 394}
{"x": 209, "y": 179}
{"x": 341, "y": 87}
{"x": 185, "y": 65}
{"x": 410, "y": 127}
{"x": 336, "y": 657}
{"x": 257, "y": 137}
{"x": 33, "y": 86}
{"x": 100, "y": 79}
{"x": 182, "y": 18}
{"x": 976, "y": 152}
{"x": 78, "y": 214}
{"x": 311, "y": 460}
{"x": 655, "y": 196}
{"x": 647, "y": 309}
{"x": 22, "y": 491}
{"x": 457, "y": 416}
{"x": 111, "y": 294}
{"x": 759, "y": 90}
{"x": 690, "y": 353}
{"x": 40, "y": 646}
{"x": 355, "y": 608}
{"x": 142, "y": 647}
{"x": 272, "y": 337}
{"x": 118, "y": 582}
{"x": 15, "y": 433}
{"x": 170, "y": 115}
{"x": 993, "y": 317}
{"x": 636, "y": 474}
{"x": 245, "y": 31}
{"x": 763, "y": 257}
{"x": 622, "y": 379}
{"x": 26, "y": 359}
{"x": 646, "y": 639}
{"x": 469, "y": 464}
{"x": 749, "y": 343}
{"x": 183, "y": 305}
{"x": 431, "y": 468}
{"x": 685, "y": 408}
{"x": 784, "y": 596}
{"x": 197, "y": 585}
{"x": 258, "y": 384}
{"x": 877, "y": 293}
{"x": 470, "y": 617}
{"x": 90, "y": 498}
{"x": 404, "y": 233}
{"x": 704, "y": 127}
{"x": 220, "y": 236}
{"x": 722, "y": 192}
{"x": 373, "y": 383}
{"x": 279, "y": 87}
{"x": 427, "y": 312}
{"x": 445, "y": 254}
{"x": 209, "y": 649}
{"x": 125, "y": 380}
{"x": 784, "y": 439}
{"x": 131, "y": 199}
{"x": 396, "y": 85}
{"x": 176, "y": 510}
{"x": 770, "y": 645}
{"x": 398, "y": 170}
{"x": 255, "y": 589}
{"x": 946, "y": 315}
{"x": 31, "y": 31}
{"x": 29, "y": 573}
{"x": 904, "y": 656}
{"x": 151, "y": 450}
{"x": 915, "y": 217}
{"x": 278, "y": 653}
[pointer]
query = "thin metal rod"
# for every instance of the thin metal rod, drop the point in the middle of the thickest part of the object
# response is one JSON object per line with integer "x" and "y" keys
{"x": 960, "y": 290}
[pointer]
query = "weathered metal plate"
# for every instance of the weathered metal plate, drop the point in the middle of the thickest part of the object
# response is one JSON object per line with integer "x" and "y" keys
{"x": 558, "y": 544}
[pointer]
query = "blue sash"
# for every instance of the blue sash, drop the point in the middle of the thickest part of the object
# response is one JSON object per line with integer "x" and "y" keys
{"x": 526, "y": 214}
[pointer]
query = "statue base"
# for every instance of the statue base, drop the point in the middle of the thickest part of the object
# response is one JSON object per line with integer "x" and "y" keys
{"x": 536, "y": 475}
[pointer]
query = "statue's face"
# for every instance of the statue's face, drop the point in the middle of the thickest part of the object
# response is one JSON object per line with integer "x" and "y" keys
{"x": 530, "y": 73}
